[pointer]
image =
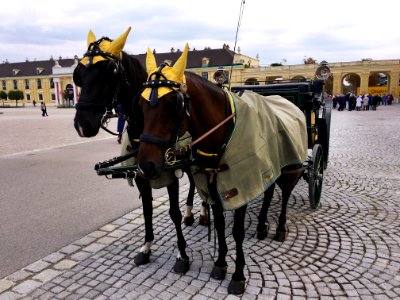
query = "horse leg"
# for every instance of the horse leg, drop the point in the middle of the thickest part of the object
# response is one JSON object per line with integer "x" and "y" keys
{"x": 281, "y": 231}
{"x": 182, "y": 260}
{"x": 263, "y": 227}
{"x": 237, "y": 284}
{"x": 220, "y": 266}
{"x": 143, "y": 257}
{"x": 286, "y": 182}
{"x": 188, "y": 219}
{"x": 204, "y": 219}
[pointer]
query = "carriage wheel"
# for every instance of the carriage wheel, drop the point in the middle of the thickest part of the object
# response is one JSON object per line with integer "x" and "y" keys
{"x": 323, "y": 139}
{"x": 326, "y": 116}
{"x": 316, "y": 176}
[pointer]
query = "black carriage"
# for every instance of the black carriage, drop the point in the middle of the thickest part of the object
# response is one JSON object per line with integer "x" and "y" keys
{"x": 310, "y": 98}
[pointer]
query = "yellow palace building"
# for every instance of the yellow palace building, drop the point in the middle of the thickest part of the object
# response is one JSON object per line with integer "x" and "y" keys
{"x": 51, "y": 80}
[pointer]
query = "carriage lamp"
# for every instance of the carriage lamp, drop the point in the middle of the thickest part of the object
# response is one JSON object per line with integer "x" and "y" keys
{"x": 323, "y": 72}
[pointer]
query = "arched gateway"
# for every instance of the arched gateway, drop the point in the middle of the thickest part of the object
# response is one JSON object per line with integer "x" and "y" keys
{"x": 364, "y": 70}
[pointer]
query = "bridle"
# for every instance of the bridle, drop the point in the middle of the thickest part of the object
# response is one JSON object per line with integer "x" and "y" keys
{"x": 106, "y": 109}
{"x": 182, "y": 105}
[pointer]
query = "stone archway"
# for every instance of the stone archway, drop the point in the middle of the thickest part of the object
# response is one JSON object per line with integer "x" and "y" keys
{"x": 351, "y": 83}
{"x": 272, "y": 79}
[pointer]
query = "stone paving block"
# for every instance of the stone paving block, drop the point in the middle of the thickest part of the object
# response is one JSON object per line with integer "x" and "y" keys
{"x": 5, "y": 285}
{"x": 109, "y": 227}
{"x": 81, "y": 255}
{"x": 46, "y": 275}
{"x": 70, "y": 249}
{"x": 94, "y": 247}
{"x": 26, "y": 287}
{"x": 97, "y": 234}
{"x": 37, "y": 266}
{"x": 54, "y": 257}
{"x": 65, "y": 264}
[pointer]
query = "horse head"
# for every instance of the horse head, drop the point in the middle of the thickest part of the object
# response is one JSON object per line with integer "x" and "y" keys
{"x": 99, "y": 74}
{"x": 164, "y": 106}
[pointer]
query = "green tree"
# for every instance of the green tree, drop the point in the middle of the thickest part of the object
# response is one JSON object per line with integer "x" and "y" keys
{"x": 3, "y": 96}
{"x": 309, "y": 61}
{"x": 16, "y": 95}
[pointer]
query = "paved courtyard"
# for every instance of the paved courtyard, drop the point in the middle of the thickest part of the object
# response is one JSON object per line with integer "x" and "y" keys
{"x": 349, "y": 248}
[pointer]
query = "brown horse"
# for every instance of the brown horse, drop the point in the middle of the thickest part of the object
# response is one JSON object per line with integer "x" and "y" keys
{"x": 175, "y": 101}
{"x": 107, "y": 77}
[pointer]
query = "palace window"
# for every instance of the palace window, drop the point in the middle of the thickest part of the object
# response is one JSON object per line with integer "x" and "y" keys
{"x": 40, "y": 97}
{"x": 53, "y": 96}
{"x": 15, "y": 85}
{"x": 204, "y": 75}
{"x": 39, "y": 70}
{"x": 3, "y": 84}
{"x": 27, "y": 84}
{"x": 28, "y": 97}
{"x": 205, "y": 61}
{"x": 51, "y": 83}
{"x": 15, "y": 72}
{"x": 39, "y": 83}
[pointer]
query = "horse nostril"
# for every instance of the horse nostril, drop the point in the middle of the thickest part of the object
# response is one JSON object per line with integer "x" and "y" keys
{"x": 85, "y": 124}
{"x": 148, "y": 168}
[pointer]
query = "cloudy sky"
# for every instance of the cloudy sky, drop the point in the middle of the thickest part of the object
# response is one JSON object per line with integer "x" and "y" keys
{"x": 278, "y": 31}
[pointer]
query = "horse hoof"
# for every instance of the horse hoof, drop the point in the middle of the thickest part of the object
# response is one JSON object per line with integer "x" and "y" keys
{"x": 263, "y": 234}
{"x": 142, "y": 258}
{"x": 280, "y": 236}
{"x": 236, "y": 287}
{"x": 188, "y": 221}
{"x": 203, "y": 220}
{"x": 181, "y": 266}
{"x": 219, "y": 273}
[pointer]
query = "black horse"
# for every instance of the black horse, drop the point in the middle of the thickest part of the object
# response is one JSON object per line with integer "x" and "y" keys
{"x": 107, "y": 77}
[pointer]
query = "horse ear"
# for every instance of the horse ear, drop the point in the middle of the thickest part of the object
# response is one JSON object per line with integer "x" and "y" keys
{"x": 151, "y": 64}
{"x": 91, "y": 38}
{"x": 118, "y": 44}
{"x": 180, "y": 65}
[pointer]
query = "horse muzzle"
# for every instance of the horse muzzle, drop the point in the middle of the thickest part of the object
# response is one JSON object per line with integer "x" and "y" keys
{"x": 147, "y": 170}
{"x": 87, "y": 124}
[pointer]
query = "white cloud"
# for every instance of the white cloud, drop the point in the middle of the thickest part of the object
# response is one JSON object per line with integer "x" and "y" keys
{"x": 335, "y": 31}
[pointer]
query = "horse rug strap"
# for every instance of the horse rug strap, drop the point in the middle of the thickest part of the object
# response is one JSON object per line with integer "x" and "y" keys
{"x": 269, "y": 134}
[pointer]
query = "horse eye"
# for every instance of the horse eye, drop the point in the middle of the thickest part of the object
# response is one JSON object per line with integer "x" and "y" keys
{"x": 115, "y": 71}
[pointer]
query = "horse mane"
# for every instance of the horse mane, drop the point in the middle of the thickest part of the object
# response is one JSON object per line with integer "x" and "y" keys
{"x": 133, "y": 65}
{"x": 197, "y": 79}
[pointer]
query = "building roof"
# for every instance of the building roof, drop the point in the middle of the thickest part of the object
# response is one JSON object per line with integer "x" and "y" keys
{"x": 31, "y": 68}
{"x": 216, "y": 58}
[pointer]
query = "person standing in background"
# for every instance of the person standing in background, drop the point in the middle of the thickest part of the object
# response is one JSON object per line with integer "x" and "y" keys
{"x": 44, "y": 109}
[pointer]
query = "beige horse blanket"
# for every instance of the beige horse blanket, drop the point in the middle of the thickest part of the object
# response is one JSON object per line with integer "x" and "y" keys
{"x": 270, "y": 133}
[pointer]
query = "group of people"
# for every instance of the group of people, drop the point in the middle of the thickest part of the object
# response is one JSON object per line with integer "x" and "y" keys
{"x": 361, "y": 102}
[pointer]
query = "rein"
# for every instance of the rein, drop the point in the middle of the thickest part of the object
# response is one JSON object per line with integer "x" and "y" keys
{"x": 170, "y": 154}
{"x": 108, "y": 115}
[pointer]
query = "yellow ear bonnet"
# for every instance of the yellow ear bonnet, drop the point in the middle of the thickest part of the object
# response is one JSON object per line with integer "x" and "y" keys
{"x": 175, "y": 73}
{"x": 114, "y": 47}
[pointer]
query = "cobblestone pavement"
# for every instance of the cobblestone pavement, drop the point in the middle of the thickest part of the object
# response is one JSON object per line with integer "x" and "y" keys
{"x": 349, "y": 248}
